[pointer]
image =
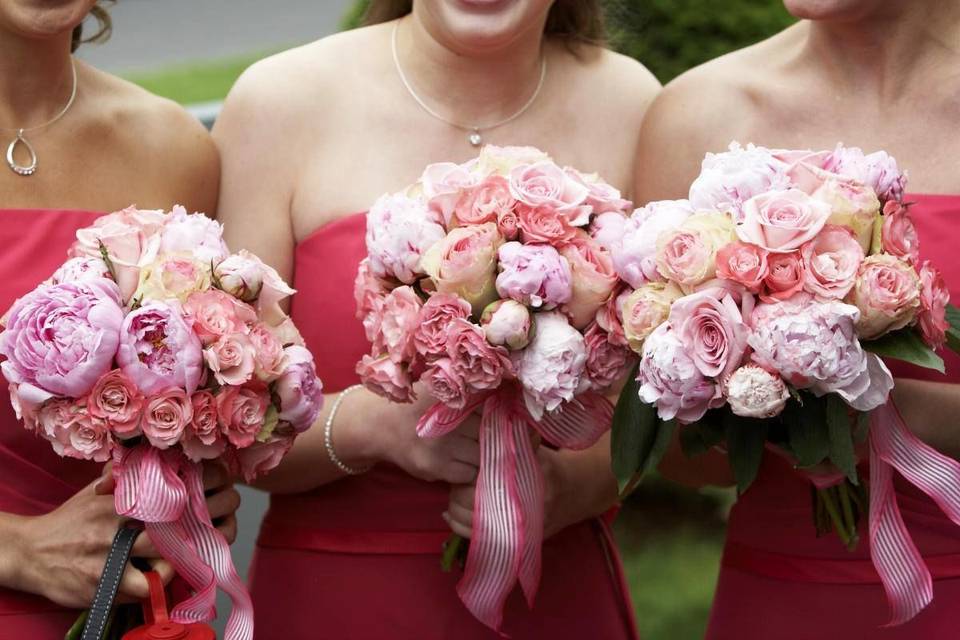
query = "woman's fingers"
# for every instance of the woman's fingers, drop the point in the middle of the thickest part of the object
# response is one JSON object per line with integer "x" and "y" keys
{"x": 223, "y": 503}
{"x": 459, "y": 473}
{"x": 465, "y": 450}
{"x": 228, "y": 528}
{"x": 164, "y": 569}
{"x": 134, "y": 584}
{"x": 459, "y": 528}
{"x": 143, "y": 547}
{"x": 215, "y": 475}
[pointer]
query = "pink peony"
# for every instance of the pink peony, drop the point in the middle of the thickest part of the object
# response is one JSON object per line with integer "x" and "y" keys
{"x": 898, "y": 235}
{"x": 165, "y": 416}
{"x": 887, "y": 292}
{"x": 241, "y": 412}
{"x": 786, "y": 276}
{"x": 442, "y": 184}
{"x": 299, "y": 390}
{"x": 831, "y": 261}
{"x": 712, "y": 330}
{"x": 231, "y": 359}
{"x": 878, "y": 170}
{"x": 727, "y": 180}
{"x": 934, "y": 298}
{"x": 544, "y": 224}
{"x": 645, "y": 309}
{"x": 670, "y": 379}
{"x": 262, "y": 457}
{"x": 606, "y": 361}
{"x": 398, "y": 324}
{"x": 534, "y": 275}
{"x": 481, "y": 365}
{"x": 593, "y": 278}
{"x": 488, "y": 201}
{"x": 687, "y": 255}
{"x": 782, "y": 220}
{"x": 545, "y": 184}
{"x": 633, "y": 244}
{"x": 445, "y": 382}
{"x": 465, "y": 263}
{"x": 754, "y": 392}
{"x": 197, "y": 234}
{"x": 743, "y": 263}
{"x": 81, "y": 269}
{"x": 268, "y": 352}
{"x": 60, "y": 339}
{"x": 430, "y": 337}
{"x": 201, "y": 439}
{"x": 507, "y": 323}
{"x": 116, "y": 400}
{"x": 399, "y": 232}
{"x": 551, "y": 369}
{"x": 158, "y": 350}
{"x": 386, "y": 378}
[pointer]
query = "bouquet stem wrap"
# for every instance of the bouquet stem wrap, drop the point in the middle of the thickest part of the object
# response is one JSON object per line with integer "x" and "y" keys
{"x": 164, "y": 490}
{"x": 508, "y": 507}
{"x": 906, "y": 578}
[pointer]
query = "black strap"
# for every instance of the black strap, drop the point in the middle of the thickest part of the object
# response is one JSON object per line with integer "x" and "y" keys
{"x": 109, "y": 584}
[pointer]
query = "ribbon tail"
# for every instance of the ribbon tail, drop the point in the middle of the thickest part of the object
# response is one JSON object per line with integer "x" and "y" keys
{"x": 528, "y": 487}
{"x": 577, "y": 424}
{"x": 173, "y": 543}
{"x": 439, "y": 420}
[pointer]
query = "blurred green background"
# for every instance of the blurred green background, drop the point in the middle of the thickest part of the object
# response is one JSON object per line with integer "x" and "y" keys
{"x": 670, "y": 538}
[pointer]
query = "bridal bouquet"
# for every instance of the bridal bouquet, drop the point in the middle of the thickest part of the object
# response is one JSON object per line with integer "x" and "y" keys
{"x": 761, "y": 308}
{"x": 485, "y": 283}
{"x": 154, "y": 347}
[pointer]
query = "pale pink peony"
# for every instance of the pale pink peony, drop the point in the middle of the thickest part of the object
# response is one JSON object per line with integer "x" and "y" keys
{"x": 465, "y": 263}
{"x": 299, "y": 390}
{"x": 158, "y": 350}
{"x": 645, "y": 309}
{"x": 633, "y": 244}
{"x": 878, "y": 170}
{"x": 398, "y": 323}
{"x": 507, "y": 323}
{"x": 165, "y": 416}
{"x": 481, "y": 365}
{"x": 785, "y": 278}
{"x": 602, "y": 197}
{"x": 399, "y": 232}
{"x": 534, "y": 275}
{"x": 887, "y": 292}
{"x": 195, "y": 233}
{"x": 442, "y": 184}
{"x": 60, "y": 339}
{"x": 544, "y": 183}
{"x": 606, "y": 361}
{"x": 268, "y": 352}
{"x": 898, "y": 236}
{"x": 552, "y": 368}
{"x": 485, "y": 202}
{"x": 262, "y": 457}
{"x": 386, "y": 378}
{"x": 214, "y": 314}
{"x": 594, "y": 278}
{"x": 231, "y": 359}
{"x": 241, "y": 412}
{"x": 727, "y": 180}
{"x": 782, "y": 220}
{"x": 712, "y": 329}
{"x": 81, "y": 269}
{"x": 934, "y": 298}
{"x": 831, "y": 262}
{"x": 743, "y": 263}
{"x": 171, "y": 276}
{"x": 754, "y": 392}
{"x": 430, "y": 337}
{"x": 608, "y": 228}
{"x": 544, "y": 224}
{"x": 445, "y": 382}
{"x": 201, "y": 439}
{"x": 670, "y": 379}
{"x": 116, "y": 400}
{"x": 687, "y": 255}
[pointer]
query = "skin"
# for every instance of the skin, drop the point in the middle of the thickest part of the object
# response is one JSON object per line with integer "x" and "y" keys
{"x": 114, "y": 134}
{"x": 305, "y": 144}
{"x": 876, "y": 74}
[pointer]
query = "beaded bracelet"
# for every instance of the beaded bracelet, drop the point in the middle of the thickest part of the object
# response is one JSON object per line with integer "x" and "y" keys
{"x": 328, "y": 435}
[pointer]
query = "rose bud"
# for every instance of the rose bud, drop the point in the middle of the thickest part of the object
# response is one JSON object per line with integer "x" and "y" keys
{"x": 754, "y": 392}
{"x": 506, "y": 323}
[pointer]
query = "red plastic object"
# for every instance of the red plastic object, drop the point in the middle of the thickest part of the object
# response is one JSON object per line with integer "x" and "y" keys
{"x": 158, "y": 625}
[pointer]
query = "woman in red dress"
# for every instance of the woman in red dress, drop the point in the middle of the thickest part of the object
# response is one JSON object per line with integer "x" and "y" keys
{"x": 110, "y": 145}
{"x": 878, "y": 75}
{"x": 310, "y": 138}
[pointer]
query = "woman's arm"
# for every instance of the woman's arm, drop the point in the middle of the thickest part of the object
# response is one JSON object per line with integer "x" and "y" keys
{"x": 930, "y": 410}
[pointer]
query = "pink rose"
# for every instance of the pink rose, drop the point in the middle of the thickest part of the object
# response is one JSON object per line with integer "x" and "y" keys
{"x": 887, "y": 292}
{"x": 786, "y": 276}
{"x": 368, "y": 290}
{"x": 545, "y": 184}
{"x": 645, "y": 309}
{"x": 593, "y": 278}
{"x": 507, "y": 323}
{"x": 443, "y": 183}
{"x": 831, "y": 261}
{"x": 898, "y": 235}
{"x": 934, "y": 298}
{"x": 670, "y": 379}
{"x": 87, "y": 438}
{"x": 60, "y": 339}
{"x": 481, "y": 365}
{"x": 240, "y": 275}
{"x": 552, "y": 368}
{"x": 465, "y": 263}
{"x": 633, "y": 243}
{"x": 116, "y": 400}
{"x": 386, "y": 378}
{"x": 601, "y": 197}
{"x": 214, "y": 314}
{"x": 201, "y": 438}
{"x": 231, "y": 359}
{"x": 544, "y": 224}
{"x": 712, "y": 331}
{"x": 53, "y": 419}
{"x": 195, "y": 233}
{"x": 878, "y": 170}
{"x": 445, "y": 382}
{"x": 687, "y": 255}
{"x": 782, "y": 220}
{"x": 399, "y": 321}
{"x": 485, "y": 202}
{"x": 744, "y": 263}
{"x": 171, "y": 276}
{"x": 852, "y": 205}
{"x": 430, "y": 337}
{"x": 268, "y": 352}
{"x": 158, "y": 349}
{"x": 299, "y": 390}
{"x": 399, "y": 232}
{"x": 727, "y": 180}
{"x": 262, "y": 457}
{"x": 754, "y": 392}
{"x": 81, "y": 269}
{"x": 241, "y": 412}
{"x": 165, "y": 416}
{"x": 606, "y": 361}
{"x": 508, "y": 224}
{"x": 502, "y": 160}
{"x": 534, "y": 275}
{"x": 610, "y": 315}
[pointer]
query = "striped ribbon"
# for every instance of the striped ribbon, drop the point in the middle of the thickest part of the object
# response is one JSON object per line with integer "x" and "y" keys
{"x": 508, "y": 506}
{"x": 905, "y": 576}
{"x": 165, "y": 491}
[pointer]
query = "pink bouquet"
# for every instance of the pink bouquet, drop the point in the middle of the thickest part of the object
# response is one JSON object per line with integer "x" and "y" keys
{"x": 156, "y": 348}
{"x": 485, "y": 282}
{"x": 761, "y": 308}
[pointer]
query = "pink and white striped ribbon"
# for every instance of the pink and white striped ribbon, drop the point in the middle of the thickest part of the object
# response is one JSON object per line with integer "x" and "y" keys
{"x": 508, "y": 507}
{"x": 165, "y": 491}
{"x": 906, "y": 578}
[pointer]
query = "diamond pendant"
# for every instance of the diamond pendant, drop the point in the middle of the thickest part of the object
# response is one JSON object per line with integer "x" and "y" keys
{"x": 475, "y": 138}
{"x": 19, "y": 169}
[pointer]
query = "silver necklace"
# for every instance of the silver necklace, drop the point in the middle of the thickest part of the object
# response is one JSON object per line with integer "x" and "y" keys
{"x": 20, "y": 139}
{"x": 474, "y": 136}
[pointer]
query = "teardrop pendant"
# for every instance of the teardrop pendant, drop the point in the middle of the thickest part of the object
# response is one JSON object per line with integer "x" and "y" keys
{"x": 475, "y": 138}
{"x": 19, "y": 169}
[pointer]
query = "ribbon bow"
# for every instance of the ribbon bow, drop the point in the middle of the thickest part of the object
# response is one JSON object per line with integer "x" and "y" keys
{"x": 165, "y": 490}
{"x": 508, "y": 507}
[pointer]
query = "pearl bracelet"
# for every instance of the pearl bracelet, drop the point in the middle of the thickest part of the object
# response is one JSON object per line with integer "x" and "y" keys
{"x": 328, "y": 435}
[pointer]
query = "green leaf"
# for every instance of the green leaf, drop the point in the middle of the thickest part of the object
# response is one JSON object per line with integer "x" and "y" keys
{"x": 862, "y": 428}
{"x": 701, "y": 436}
{"x": 807, "y": 430}
{"x": 906, "y": 345}
{"x": 746, "y": 439}
{"x": 953, "y": 331}
{"x": 842, "y": 453}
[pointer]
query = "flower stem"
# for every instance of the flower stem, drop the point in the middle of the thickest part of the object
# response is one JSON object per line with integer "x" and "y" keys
{"x": 838, "y": 522}
{"x": 451, "y": 552}
{"x": 851, "y": 521}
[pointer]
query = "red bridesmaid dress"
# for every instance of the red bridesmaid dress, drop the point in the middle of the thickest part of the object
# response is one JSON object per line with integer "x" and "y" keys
{"x": 779, "y": 581}
{"x": 359, "y": 558}
{"x": 33, "y": 479}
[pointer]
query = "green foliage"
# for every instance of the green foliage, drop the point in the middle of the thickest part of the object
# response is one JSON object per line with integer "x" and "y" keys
{"x": 906, "y": 345}
{"x": 353, "y": 15}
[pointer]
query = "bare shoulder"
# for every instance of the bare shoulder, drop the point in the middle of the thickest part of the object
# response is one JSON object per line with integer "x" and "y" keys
{"x": 626, "y": 85}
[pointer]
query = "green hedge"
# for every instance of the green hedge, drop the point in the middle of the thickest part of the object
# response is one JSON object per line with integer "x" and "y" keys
{"x": 670, "y": 36}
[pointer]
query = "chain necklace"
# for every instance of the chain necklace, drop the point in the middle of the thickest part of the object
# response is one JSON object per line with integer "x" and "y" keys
{"x": 20, "y": 139}
{"x": 474, "y": 136}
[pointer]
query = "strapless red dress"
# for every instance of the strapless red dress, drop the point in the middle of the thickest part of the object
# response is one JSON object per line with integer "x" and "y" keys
{"x": 358, "y": 559}
{"x": 779, "y": 581}
{"x": 33, "y": 479}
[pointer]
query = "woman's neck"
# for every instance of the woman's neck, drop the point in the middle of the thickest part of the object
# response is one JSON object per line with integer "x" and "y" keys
{"x": 885, "y": 51}
{"x": 469, "y": 88}
{"x": 36, "y": 77}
